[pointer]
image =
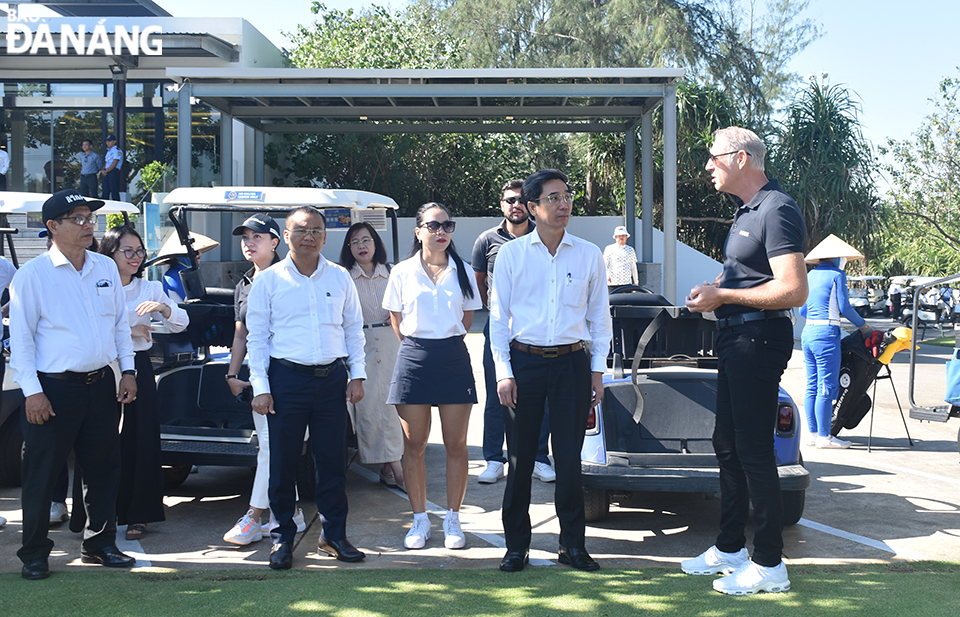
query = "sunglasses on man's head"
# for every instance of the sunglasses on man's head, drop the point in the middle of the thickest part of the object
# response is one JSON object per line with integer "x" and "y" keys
{"x": 434, "y": 226}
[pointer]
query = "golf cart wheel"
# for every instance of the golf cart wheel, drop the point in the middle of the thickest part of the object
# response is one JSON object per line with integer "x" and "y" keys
{"x": 175, "y": 475}
{"x": 306, "y": 476}
{"x": 11, "y": 447}
{"x": 793, "y": 502}
{"x": 596, "y": 504}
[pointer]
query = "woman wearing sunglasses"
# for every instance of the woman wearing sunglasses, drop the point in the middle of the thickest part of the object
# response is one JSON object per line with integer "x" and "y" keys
{"x": 379, "y": 436}
{"x": 431, "y": 297}
{"x": 140, "y": 496}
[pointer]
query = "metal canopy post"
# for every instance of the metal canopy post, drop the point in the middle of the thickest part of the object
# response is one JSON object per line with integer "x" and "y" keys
{"x": 226, "y": 149}
{"x": 646, "y": 188}
{"x": 670, "y": 193}
{"x": 630, "y": 176}
{"x": 184, "y": 134}
{"x": 258, "y": 172}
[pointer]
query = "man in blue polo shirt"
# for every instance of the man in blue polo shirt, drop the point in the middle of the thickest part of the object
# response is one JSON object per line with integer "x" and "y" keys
{"x": 763, "y": 278}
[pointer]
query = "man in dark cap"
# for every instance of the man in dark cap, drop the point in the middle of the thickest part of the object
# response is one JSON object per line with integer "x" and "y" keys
{"x": 68, "y": 322}
{"x": 112, "y": 163}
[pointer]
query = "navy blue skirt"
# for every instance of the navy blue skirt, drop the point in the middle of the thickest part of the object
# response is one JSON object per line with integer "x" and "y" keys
{"x": 432, "y": 372}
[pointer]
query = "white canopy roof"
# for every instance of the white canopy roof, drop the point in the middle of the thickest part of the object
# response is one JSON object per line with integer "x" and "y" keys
{"x": 13, "y": 201}
{"x": 278, "y": 196}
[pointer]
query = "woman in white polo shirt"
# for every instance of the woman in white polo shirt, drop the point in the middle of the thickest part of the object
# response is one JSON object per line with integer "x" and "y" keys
{"x": 431, "y": 297}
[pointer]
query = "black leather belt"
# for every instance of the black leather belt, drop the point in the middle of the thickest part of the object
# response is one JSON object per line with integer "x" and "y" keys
{"x": 547, "y": 352}
{"x": 85, "y": 378}
{"x": 375, "y": 325}
{"x": 317, "y": 370}
{"x": 742, "y": 318}
{"x": 87, "y": 175}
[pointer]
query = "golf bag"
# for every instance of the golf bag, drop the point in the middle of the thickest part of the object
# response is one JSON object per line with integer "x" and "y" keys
{"x": 858, "y": 371}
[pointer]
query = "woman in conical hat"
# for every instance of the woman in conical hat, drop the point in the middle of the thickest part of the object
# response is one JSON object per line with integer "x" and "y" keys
{"x": 826, "y": 302}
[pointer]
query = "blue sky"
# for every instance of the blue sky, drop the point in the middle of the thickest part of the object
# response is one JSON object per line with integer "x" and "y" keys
{"x": 891, "y": 54}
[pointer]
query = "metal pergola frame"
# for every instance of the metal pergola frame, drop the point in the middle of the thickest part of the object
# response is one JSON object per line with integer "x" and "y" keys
{"x": 341, "y": 101}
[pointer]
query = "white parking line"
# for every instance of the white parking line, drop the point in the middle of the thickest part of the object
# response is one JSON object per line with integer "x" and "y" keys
{"x": 922, "y": 474}
{"x": 846, "y": 535}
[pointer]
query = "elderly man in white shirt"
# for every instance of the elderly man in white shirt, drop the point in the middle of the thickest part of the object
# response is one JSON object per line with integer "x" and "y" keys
{"x": 621, "y": 261}
{"x": 68, "y": 322}
{"x": 305, "y": 333}
{"x": 550, "y": 332}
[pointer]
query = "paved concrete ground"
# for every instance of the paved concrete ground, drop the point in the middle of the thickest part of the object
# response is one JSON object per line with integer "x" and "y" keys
{"x": 896, "y": 502}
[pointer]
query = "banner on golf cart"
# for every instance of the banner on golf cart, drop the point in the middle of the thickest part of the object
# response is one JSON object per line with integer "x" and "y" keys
{"x": 343, "y": 218}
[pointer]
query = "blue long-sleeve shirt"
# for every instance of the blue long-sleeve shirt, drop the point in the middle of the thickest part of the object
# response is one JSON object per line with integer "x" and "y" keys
{"x": 828, "y": 298}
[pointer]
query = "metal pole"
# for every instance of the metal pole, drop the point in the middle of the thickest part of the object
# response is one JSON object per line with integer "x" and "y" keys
{"x": 226, "y": 149}
{"x": 630, "y": 176}
{"x": 184, "y": 134}
{"x": 670, "y": 193}
{"x": 258, "y": 157}
{"x": 646, "y": 187}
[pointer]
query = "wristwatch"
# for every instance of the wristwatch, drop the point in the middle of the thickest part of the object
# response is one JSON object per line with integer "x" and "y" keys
{"x": 229, "y": 377}
{"x": 129, "y": 371}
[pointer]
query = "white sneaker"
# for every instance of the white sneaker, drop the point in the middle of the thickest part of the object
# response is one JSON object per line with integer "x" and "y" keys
{"x": 419, "y": 533}
{"x": 713, "y": 561}
{"x": 58, "y": 513}
{"x": 751, "y": 578}
{"x": 492, "y": 473}
{"x": 452, "y": 533}
{"x": 268, "y": 527}
{"x": 811, "y": 440}
{"x": 246, "y": 530}
{"x": 545, "y": 472}
{"x": 831, "y": 442}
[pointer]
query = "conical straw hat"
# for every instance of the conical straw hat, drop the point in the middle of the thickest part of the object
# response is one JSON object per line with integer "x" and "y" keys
{"x": 832, "y": 247}
{"x": 201, "y": 244}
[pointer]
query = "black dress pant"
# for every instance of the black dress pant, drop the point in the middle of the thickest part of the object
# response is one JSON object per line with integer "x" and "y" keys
{"x": 753, "y": 357}
{"x": 564, "y": 382}
{"x": 140, "y": 499}
{"x": 320, "y": 403}
{"x": 86, "y": 420}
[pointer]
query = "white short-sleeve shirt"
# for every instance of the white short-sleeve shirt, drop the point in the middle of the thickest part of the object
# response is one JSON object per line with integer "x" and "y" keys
{"x": 429, "y": 311}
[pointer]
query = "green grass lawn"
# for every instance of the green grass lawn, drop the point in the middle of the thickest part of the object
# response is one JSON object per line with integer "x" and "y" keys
{"x": 927, "y": 589}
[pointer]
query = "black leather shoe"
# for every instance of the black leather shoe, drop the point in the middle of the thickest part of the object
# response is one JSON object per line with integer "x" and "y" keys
{"x": 514, "y": 561}
{"x": 108, "y": 556}
{"x": 281, "y": 556}
{"x": 578, "y": 558}
{"x": 341, "y": 549}
{"x": 35, "y": 570}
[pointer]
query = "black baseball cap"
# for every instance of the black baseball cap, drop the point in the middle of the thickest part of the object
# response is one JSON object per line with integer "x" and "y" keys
{"x": 111, "y": 137}
{"x": 66, "y": 200}
{"x": 260, "y": 223}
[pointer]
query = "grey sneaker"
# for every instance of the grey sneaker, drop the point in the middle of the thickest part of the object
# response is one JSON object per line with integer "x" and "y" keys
{"x": 58, "y": 513}
{"x": 712, "y": 561}
{"x": 246, "y": 530}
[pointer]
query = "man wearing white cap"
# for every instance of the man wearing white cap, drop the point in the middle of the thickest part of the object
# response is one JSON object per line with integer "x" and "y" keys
{"x": 621, "y": 261}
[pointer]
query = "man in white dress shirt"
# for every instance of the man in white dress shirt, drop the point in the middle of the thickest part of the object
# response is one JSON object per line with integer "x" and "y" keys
{"x": 305, "y": 333}
{"x": 68, "y": 322}
{"x": 550, "y": 332}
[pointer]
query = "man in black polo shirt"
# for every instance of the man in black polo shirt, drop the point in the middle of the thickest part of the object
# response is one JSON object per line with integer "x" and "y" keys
{"x": 763, "y": 278}
{"x": 516, "y": 222}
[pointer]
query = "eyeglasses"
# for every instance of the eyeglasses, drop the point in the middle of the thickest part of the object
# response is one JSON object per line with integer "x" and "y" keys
{"x": 511, "y": 200}
{"x": 130, "y": 253}
{"x": 79, "y": 220}
{"x": 434, "y": 226}
{"x": 361, "y": 241}
{"x": 554, "y": 198}
{"x": 300, "y": 232}
{"x": 713, "y": 157}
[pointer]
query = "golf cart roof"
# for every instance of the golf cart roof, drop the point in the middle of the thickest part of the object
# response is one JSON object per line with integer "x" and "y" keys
{"x": 865, "y": 278}
{"x": 11, "y": 202}
{"x": 276, "y": 197}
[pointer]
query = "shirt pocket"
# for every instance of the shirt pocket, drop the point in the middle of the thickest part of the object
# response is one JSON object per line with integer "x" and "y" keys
{"x": 332, "y": 310}
{"x": 574, "y": 293}
{"x": 106, "y": 302}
